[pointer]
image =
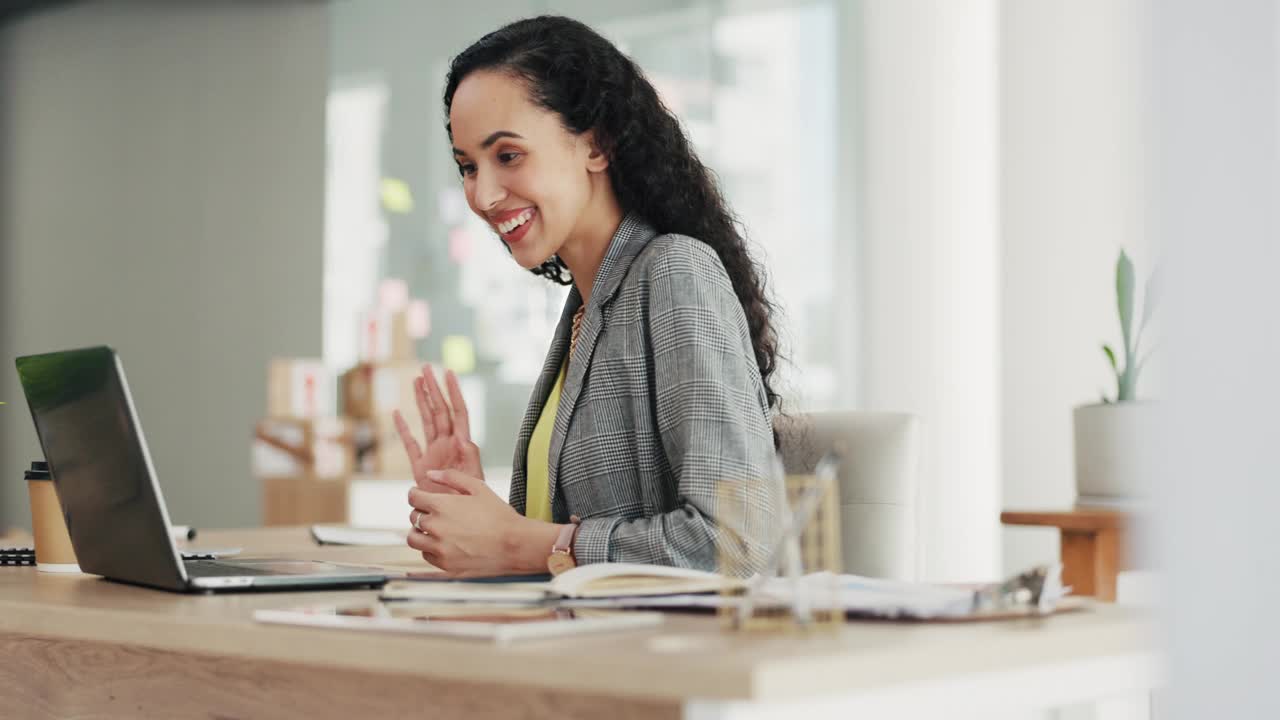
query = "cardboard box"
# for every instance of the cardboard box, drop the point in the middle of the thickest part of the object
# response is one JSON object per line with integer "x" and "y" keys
{"x": 384, "y": 337}
{"x": 300, "y": 388}
{"x": 317, "y": 448}
{"x": 380, "y": 450}
{"x": 370, "y": 390}
{"x": 303, "y": 501}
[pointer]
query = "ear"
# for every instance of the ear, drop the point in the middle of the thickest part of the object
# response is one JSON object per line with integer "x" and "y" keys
{"x": 597, "y": 161}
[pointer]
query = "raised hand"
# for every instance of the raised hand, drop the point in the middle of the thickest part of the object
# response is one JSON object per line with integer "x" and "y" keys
{"x": 447, "y": 430}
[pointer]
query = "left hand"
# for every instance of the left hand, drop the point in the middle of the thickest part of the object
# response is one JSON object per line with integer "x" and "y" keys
{"x": 468, "y": 534}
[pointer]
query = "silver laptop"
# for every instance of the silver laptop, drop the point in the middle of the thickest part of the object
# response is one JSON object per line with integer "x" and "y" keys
{"x": 110, "y": 496}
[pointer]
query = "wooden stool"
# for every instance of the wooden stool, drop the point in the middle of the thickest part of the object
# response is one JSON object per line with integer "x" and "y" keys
{"x": 1093, "y": 546}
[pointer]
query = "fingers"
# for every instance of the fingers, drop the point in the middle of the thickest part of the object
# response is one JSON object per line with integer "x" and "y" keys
{"x": 460, "y": 481}
{"x": 424, "y": 543}
{"x": 418, "y": 520}
{"x": 436, "y": 560}
{"x": 427, "y": 502}
{"x": 427, "y": 543}
{"x": 410, "y": 443}
{"x": 461, "y": 419}
{"x": 440, "y": 412}
{"x": 424, "y": 405}
{"x": 434, "y": 487}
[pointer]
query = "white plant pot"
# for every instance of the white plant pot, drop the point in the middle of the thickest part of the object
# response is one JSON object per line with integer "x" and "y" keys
{"x": 1115, "y": 452}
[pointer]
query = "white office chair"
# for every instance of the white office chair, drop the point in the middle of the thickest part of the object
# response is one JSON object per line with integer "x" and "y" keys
{"x": 878, "y": 483}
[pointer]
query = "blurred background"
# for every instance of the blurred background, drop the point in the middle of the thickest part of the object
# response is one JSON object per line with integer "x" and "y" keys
{"x": 938, "y": 190}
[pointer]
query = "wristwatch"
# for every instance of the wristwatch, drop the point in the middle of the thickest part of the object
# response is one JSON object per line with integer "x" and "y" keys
{"x": 561, "y": 557}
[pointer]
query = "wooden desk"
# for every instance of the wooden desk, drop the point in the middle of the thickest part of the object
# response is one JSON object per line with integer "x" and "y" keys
{"x": 1094, "y": 541}
{"x": 81, "y": 646}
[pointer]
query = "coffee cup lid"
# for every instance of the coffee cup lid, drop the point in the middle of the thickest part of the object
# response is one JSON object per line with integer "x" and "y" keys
{"x": 40, "y": 465}
{"x": 37, "y": 475}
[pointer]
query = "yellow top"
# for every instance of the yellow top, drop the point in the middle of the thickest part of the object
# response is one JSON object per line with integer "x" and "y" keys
{"x": 537, "y": 496}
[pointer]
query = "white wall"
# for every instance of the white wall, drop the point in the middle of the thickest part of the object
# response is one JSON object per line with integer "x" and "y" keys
{"x": 161, "y": 190}
{"x": 1072, "y": 154}
{"x": 929, "y": 257}
{"x": 1216, "y": 181}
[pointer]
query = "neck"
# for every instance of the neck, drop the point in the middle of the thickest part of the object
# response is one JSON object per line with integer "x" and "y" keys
{"x": 585, "y": 248}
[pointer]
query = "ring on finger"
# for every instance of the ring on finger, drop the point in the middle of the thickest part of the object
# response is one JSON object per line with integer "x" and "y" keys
{"x": 416, "y": 520}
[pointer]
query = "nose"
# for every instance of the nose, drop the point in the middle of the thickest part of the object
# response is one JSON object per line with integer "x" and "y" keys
{"x": 488, "y": 191}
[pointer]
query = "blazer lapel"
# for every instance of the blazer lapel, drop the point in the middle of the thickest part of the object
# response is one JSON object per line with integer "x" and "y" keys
{"x": 541, "y": 390}
{"x": 630, "y": 238}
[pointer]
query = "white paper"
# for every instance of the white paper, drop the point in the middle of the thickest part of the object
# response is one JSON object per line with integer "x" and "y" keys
{"x": 398, "y": 618}
{"x": 341, "y": 535}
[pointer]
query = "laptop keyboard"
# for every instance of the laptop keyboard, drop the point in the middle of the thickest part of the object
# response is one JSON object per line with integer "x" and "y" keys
{"x": 211, "y": 568}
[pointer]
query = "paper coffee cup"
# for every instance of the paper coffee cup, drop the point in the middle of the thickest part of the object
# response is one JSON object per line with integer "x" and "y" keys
{"x": 52, "y": 542}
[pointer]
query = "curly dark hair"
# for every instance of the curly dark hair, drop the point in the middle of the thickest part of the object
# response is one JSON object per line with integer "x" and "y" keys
{"x": 571, "y": 70}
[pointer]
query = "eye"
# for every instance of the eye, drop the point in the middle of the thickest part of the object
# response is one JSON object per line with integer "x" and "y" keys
{"x": 506, "y": 158}
{"x": 465, "y": 169}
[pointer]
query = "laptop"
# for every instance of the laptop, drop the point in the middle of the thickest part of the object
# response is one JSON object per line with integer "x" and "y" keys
{"x": 110, "y": 496}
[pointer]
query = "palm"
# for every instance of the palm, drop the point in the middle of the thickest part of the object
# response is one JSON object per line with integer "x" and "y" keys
{"x": 442, "y": 454}
{"x": 447, "y": 429}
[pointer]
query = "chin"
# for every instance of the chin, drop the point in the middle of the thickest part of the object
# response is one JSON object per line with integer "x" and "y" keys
{"x": 526, "y": 263}
{"x": 530, "y": 260}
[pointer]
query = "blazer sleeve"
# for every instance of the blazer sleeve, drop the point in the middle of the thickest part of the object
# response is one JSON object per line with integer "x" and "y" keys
{"x": 711, "y": 412}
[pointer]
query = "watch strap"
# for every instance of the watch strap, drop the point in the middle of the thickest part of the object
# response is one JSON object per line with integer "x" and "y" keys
{"x": 564, "y": 541}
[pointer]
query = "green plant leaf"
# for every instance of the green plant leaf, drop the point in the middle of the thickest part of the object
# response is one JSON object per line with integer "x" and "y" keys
{"x": 1128, "y": 380}
{"x": 1124, "y": 301}
{"x": 1112, "y": 357}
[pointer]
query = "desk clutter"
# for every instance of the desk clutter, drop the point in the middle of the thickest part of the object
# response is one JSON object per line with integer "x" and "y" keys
{"x": 321, "y": 430}
{"x": 607, "y": 596}
{"x": 1037, "y": 591}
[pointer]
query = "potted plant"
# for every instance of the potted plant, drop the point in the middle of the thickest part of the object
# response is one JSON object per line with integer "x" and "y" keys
{"x": 1115, "y": 437}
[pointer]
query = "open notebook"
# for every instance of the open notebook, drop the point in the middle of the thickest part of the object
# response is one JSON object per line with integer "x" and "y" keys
{"x": 599, "y": 580}
{"x": 624, "y": 585}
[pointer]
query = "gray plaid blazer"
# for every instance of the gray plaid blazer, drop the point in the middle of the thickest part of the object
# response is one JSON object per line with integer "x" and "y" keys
{"x": 662, "y": 443}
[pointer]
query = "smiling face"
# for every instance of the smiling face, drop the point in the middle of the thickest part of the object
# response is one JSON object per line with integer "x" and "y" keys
{"x": 522, "y": 171}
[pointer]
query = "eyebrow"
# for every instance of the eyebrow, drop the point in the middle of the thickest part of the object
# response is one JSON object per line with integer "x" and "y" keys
{"x": 491, "y": 140}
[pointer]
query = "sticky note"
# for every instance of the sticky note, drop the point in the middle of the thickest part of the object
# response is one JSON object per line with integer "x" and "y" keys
{"x": 459, "y": 354}
{"x": 396, "y": 196}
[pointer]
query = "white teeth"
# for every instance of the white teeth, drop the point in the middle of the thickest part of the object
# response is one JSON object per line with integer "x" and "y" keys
{"x": 515, "y": 222}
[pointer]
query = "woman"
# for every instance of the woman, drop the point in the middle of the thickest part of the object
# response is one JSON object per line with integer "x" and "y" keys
{"x": 648, "y": 436}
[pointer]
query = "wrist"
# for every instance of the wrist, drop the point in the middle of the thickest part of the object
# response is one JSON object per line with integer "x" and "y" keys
{"x": 528, "y": 543}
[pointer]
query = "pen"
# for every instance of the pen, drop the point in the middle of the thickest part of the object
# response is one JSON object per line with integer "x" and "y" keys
{"x": 182, "y": 532}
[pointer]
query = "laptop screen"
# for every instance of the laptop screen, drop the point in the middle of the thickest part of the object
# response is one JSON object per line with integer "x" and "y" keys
{"x": 101, "y": 467}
